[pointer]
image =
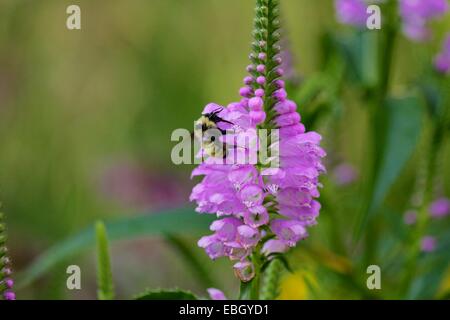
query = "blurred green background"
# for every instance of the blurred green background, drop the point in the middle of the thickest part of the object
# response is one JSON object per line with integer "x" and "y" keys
{"x": 86, "y": 118}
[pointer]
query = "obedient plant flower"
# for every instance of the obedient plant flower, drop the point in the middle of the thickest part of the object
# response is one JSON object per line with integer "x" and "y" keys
{"x": 6, "y": 283}
{"x": 428, "y": 244}
{"x": 440, "y": 208}
{"x": 416, "y": 16}
{"x": 261, "y": 210}
{"x": 442, "y": 60}
{"x": 351, "y": 12}
{"x": 216, "y": 294}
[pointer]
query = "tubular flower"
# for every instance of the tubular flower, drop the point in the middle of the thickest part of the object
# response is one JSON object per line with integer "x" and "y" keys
{"x": 261, "y": 208}
{"x": 6, "y": 283}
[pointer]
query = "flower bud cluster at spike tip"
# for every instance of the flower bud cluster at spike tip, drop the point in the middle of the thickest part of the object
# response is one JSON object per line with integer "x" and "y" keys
{"x": 6, "y": 283}
{"x": 260, "y": 210}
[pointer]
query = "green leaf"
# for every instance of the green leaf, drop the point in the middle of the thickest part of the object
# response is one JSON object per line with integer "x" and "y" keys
{"x": 162, "y": 294}
{"x": 104, "y": 274}
{"x": 402, "y": 129}
{"x": 179, "y": 221}
{"x": 359, "y": 51}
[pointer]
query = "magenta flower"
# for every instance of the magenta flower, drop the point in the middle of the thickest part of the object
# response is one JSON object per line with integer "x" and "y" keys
{"x": 352, "y": 12}
{"x": 442, "y": 60}
{"x": 261, "y": 209}
{"x": 345, "y": 174}
{"x": 428, "y": 244}
{"x": 216, "y": 294}
{"x": 440, "y": 208}
{"x": 416, "y": 16}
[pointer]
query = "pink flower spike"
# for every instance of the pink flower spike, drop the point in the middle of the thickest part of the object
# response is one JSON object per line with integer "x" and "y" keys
{"x": 216, "y": 294}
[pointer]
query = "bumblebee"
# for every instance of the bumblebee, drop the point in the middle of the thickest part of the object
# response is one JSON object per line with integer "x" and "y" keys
{"x": 206, "y": 132}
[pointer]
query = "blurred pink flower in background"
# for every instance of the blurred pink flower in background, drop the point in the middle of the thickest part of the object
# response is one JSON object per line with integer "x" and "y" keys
{"x": 138, "y": 187}
{"x": 440, "y": 208}
{"x": 428, "y": 244}
{"x": 417, "y": 14}
{"x": 345, "y": 174}
{"x": 442, "y": 60}
{"x": 352, "y": 12}
{"x": 410, "y": 217}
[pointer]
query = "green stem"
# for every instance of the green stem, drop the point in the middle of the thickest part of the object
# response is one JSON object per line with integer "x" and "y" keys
{"x": 271, "y": 281}
{"x": 256, "y": 282}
